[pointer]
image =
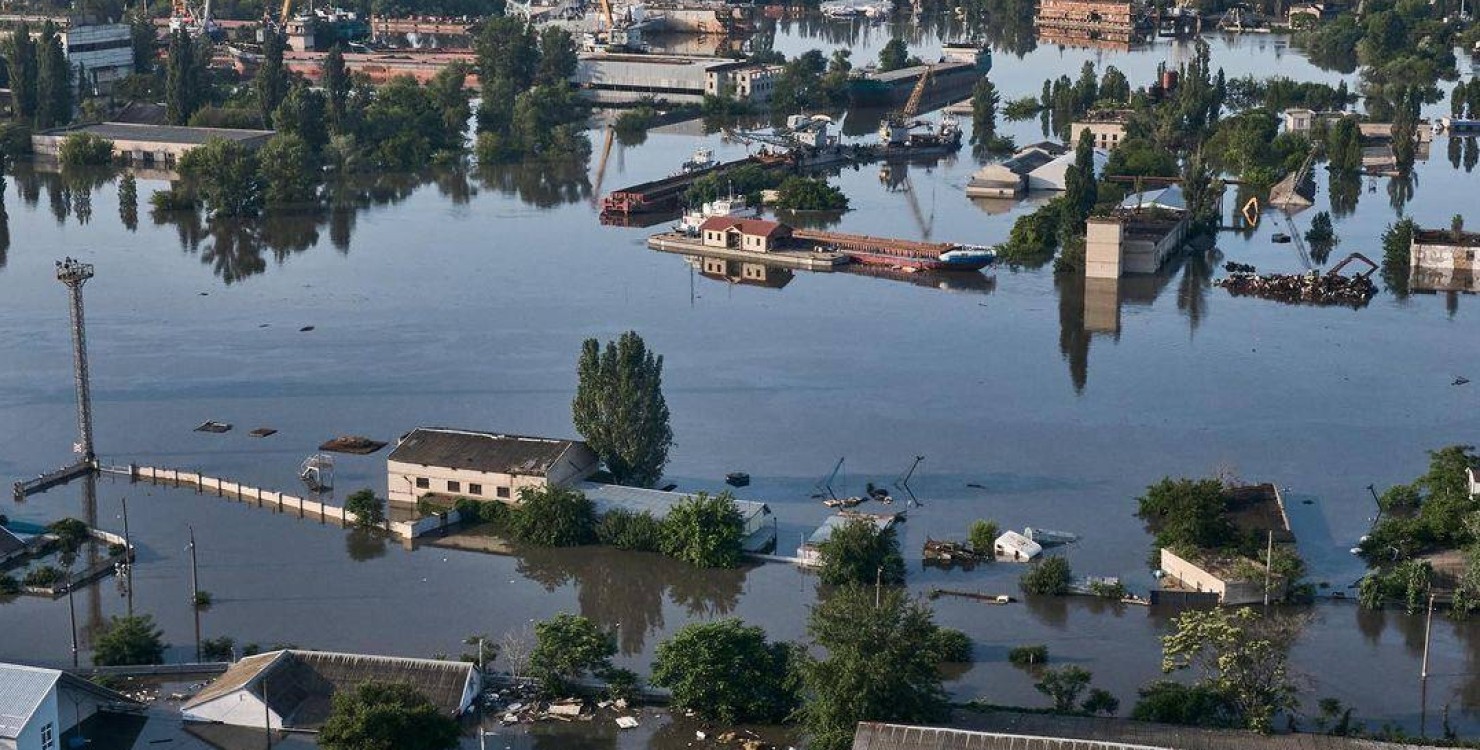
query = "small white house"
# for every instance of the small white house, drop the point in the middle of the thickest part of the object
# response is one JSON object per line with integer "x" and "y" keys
{"x": 41, "y": 709}
{"x": 1016, "y": 547}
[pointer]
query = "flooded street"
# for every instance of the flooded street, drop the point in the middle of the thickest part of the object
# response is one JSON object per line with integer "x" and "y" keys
{"x": 461, "y": 300}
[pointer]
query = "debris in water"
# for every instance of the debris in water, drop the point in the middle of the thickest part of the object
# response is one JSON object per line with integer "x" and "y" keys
{"x": 1461, "y": 380}
{"x": 356, "y": 444}
{"x": 305, "y": 329}
{"x": 627, "y": 722}
{"x": 975, "y": 486}
{"x": 1308, "y": 288}
{"x": 213, "y": 426}
{"x": 262, "y": 432}
{"x": 1232, "y": 267}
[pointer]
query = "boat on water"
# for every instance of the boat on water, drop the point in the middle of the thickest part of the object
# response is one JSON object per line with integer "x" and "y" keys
{"x": 899, "y": 139}
{"x": 1049, "y": 537}
{"x": 961, "y": 65}
{"x": 959, "y": 258}
{"x": 737, "y": 479}
{"x": 731, "y": 205}
{"x": 701, "y": 160}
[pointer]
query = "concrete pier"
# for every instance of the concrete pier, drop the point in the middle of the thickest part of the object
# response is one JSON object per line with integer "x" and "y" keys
{"x": 673, "y": 242}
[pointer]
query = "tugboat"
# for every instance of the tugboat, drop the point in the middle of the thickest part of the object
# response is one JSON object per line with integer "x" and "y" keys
{"x": 701, "y": 160}
{"x": 730, "y": 205}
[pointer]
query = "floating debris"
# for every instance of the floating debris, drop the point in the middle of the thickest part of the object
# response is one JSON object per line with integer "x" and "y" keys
{"x": 356, "y": 444}
{"x": 737, "y": 479}
{"x": 214, "y": 426}
{"x": 988, "y": 598}
{"x": 262, "y": 432}
{"x": 947, "y": 553}
{"x": 305, "y": 329}
{"x": 1461, "y": 380}
{"x": 1308, "y": 288}
{"x": 627, "y": 722}
{"x": 1280, "y": 238}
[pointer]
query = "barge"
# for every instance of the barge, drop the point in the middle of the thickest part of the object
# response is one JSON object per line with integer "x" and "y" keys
{"x": 949, "y": 80}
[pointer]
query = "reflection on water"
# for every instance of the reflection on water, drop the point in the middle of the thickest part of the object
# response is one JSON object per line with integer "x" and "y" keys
{"x": 541, "y": 184}
{"x": 616, "y": 592}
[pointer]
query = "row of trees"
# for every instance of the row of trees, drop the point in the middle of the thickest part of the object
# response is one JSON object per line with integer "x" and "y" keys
{"x": 529, "y": 108}
{"x": 41, "y": 79}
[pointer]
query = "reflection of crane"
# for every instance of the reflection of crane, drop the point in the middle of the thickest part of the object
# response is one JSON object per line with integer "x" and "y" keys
{"x": 1298, "y": 240}
{"x": 904, "y": 185}
{"x": 606, "y": 152}
{"x": 1371, "y": 267}
{"x": 826, "y": 484}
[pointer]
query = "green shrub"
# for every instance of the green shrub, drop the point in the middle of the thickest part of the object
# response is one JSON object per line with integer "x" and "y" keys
{"x": 704, "y": 531}
{"x": 631, "y": 531}
{"x": 85, "y": 150}
{"x": 951, "y": 645}
{"x": 45, "y": 576}
{"x": 15, "y": 141}
{"x": 554, "y": 517}
{"x": 1028, "y": 656}
{"x": 8, "y": 585}
{"x": 1022, "y": 108}
{"x": 1049, "y": 577}
{"x": 174, "y": 199}
{"x": 368, "y": 509}
{"x": 809, "y": 194}
{"x": 1108, "y": 590}
{"x": 983, "y": 536}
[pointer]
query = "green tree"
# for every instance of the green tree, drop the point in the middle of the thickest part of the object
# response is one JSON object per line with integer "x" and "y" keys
{"x": 303, "y": 113}
{"x": 1047, "y": 577}
{"x": 1114, "y": 86}
{"x": 507, "y": 48}
{"x": 448, "y": 92}
{"x": 557, "y": 52}
{"x": 271, "y": 81}
{"x": 1187, "y": 513}
{"x": 183, "y": 78}
{"x": 1101, "y": 702}
{"x": 894, "y": 55}
{"x": 129, "y": 641}
{"x": 984, "y": 101}
{"x": 726, "y": 671}
{"x": 1240, "y": 655}
{"x": 809, "y": 194}
{"x": 1063, "y": 686}
{"x": 403, "y": 126}
{"x": 53, "y": 80}
{"x": 368, "y": 509}
{"x": 336, "y": 82}
{"x": 875, "y": 669}
{"x": 1081, "y": 190}
{"x": 225, "y": 175}
{"x": 218, "y": 649}
{"x": 22, "y": 63}
{"x": 128, "y": 201}
{"x": 704, "y": 531}
{"x": 619, "y": 408}
{"x": 860, "y": 552}
{"x": 1322, "y": 235}
{"x": 80, "y": 149}
{"x": 554, "y": 516}
{"x": 983, "y": 536}
{"x": 568, "y": 647}
{"x": 290, "y": 171}
{"x": 386, "y": 716}
{"x": 1169, "y": 702}
{"x": 141, "y": 38}
{"x": 951, "y": 646}
{"x": 1138, "y": 157}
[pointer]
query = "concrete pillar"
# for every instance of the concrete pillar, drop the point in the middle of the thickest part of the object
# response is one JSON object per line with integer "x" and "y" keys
{"x": 1103, "y": 248}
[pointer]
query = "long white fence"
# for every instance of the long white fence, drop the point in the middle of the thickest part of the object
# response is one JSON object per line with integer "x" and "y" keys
{"x": 280, "y": 502}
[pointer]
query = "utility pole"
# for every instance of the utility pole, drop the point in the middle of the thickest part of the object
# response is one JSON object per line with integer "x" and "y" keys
{"x": 878, "y": 586}
{"x": 74, "y": 273}
{"x": 194, "y": 592}
{"x": 266, "y": 712}
{"x": 72, "y": 610}
{"x": 128, "y": 559}
{"x": 1423, "y": 674}
{"x": 1268, "y": 566}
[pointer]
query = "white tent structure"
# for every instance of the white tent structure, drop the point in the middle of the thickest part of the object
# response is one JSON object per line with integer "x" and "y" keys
{"x": 1050, "y": 176}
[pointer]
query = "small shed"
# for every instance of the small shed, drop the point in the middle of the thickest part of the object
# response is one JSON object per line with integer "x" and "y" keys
{"x": 1051, "y": 175}
{"x": 1016, "y": 547}
{"x": 752, "y": 235}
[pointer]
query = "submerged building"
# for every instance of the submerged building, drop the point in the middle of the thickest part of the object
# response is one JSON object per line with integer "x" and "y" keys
{"x": 481, "y": 465}
{"x": 1138, "y": 236}
{"x": 1091, "y": 22}
{"x": 45, "y": 709}
{"x": 1444, "y": 261}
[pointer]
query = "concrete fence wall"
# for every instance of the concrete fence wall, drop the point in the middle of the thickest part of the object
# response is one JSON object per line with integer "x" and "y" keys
{"x": 275, "y": 500}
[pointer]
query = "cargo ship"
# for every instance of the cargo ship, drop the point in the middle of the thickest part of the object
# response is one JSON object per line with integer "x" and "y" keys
{"x": 960, "y": 67}
{"x": 959, "y": 258}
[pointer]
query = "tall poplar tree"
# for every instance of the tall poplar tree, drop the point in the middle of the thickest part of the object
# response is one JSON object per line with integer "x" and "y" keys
{"x": 53, "y": 80}
{"x": 181, "y": 79}
{"x": 984, "y": 100}
{"x": 619, "y": 409}
{"x": 337, "y": 83}
{"x": 271, "y": 83}
{"x": 22, "y": 63}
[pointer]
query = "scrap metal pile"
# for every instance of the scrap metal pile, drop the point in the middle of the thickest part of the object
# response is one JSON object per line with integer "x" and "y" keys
{"x": 1302, "y": 288}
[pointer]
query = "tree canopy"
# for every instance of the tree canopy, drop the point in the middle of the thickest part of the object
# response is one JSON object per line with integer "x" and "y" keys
{"x": 129, "y": 641}
{"x": 619, "y": 408}
{"x": 875, "y": 668}
{"x": 704, "y": 531}
{"x": 554, "y": 516}
{"x": 386, "y": 716}
{"x": 859, "y": 552}
{"x": 726, "y": 671}
{"x": 568, "y": 647}
{"x": 1239, "y": 655}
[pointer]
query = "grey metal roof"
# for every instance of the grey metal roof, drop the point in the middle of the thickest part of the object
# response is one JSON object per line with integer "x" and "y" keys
{"x": 655, "y": 502}
{"x": 838, "y": 520}
{"x": 127, "y": 131}
{"x": 480, "y": 451}
{"x": 22, "y": 689}
{"x": 9, "y": 542}
{"x": 1169, "y": 198}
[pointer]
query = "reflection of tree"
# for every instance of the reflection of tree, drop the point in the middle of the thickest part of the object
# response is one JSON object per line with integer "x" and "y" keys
{"x": 1073, "y": 338}
{"x": 541, "y": 184}
{"x": 624, "y": 591}
{"x": 4, "y": 220}
{"x": 1344, "y": 190}
{"x": 364, "y": 544}
{"x": 1400, "y": 191}
{"x": 1472, "y": 153}
{"x": 1455, "y": 148}
{"x": 1192, "y": 290}
{"x": 1052, "y": 611}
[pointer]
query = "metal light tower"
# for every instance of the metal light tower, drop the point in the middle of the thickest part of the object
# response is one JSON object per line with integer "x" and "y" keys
{"x": 74, "y": 274}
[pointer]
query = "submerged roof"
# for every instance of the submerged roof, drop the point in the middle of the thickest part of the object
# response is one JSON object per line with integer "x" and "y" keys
{"x": 480, "y": 451}
{"x": 655, "y": 502}
{"x": 128, "y": 131}
{"x": 1169, "y": 198}
{"x": 838, "y": 520}
{"x": 9, "y": 542}
{"x": 301, "y": 684}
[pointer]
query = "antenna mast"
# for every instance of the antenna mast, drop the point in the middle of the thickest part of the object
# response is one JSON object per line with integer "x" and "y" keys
{"x": 74, "y": 274}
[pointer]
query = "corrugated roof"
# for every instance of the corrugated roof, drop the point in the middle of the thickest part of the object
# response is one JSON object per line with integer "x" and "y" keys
{"x": 22, "y": 689}
{"x": 301, "y": 684}
{"x": 838, "y": 520}
{"x": 656, "y": 502}
{"x": 752, "y": 227}
{"x": 9, "y": 542}
{"x": 480, "y": 451}
{"x": 1169, "y": 198}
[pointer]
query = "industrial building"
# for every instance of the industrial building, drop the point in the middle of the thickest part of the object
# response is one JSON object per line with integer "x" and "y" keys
{"x": 1138, "y": 236}
{"x": 1091, "y": 21}
{"x": 1106, "y": 126}
{"x": 751, "y": 235}
{"x": 760, "y": 531}
{"x": 1441, "y": 260}
{"x": 44, "y": 709}
{"x": 679, "y": 79}
{"x": 481, "y": 465}
{"x": 147, "y": 145}
{"x": 103, "y": 52}
{"x": 292, "y": 689}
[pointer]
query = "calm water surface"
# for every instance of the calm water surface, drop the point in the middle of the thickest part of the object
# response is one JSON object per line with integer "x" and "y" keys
{"x": 462, "y": 300}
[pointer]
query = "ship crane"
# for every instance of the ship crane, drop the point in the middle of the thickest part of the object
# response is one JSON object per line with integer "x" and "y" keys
{"x": 895, "y": 128}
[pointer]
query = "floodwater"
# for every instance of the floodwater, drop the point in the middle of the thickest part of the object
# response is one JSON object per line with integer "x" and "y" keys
{"x": 461, "y": 299}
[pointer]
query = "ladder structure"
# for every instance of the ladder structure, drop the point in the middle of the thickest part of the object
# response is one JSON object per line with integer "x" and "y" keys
{"x": 74, "y": 273}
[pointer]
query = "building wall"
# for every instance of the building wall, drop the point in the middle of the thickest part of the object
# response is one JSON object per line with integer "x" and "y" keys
{"x": 134, "y": 151}
{"x": 105, "y": 52}
{"x": 1102, "y": 248}
{"x": 44, "y": 723}
{"x": 1107, "y": 135}
{"x": 1457, "y": 257}
{"x": 239, "y": 708}
{"x": 1189, "y": 576}
{"x": 402, "y": 487}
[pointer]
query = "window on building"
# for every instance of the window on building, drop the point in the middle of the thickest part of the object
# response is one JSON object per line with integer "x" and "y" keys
{"x": 454, "y": 486}
{"x": 503, "y": 492}
{"x": 422, "y": 483}
{"x": 475, "y": 489}
{"x": 48, "y": 737}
